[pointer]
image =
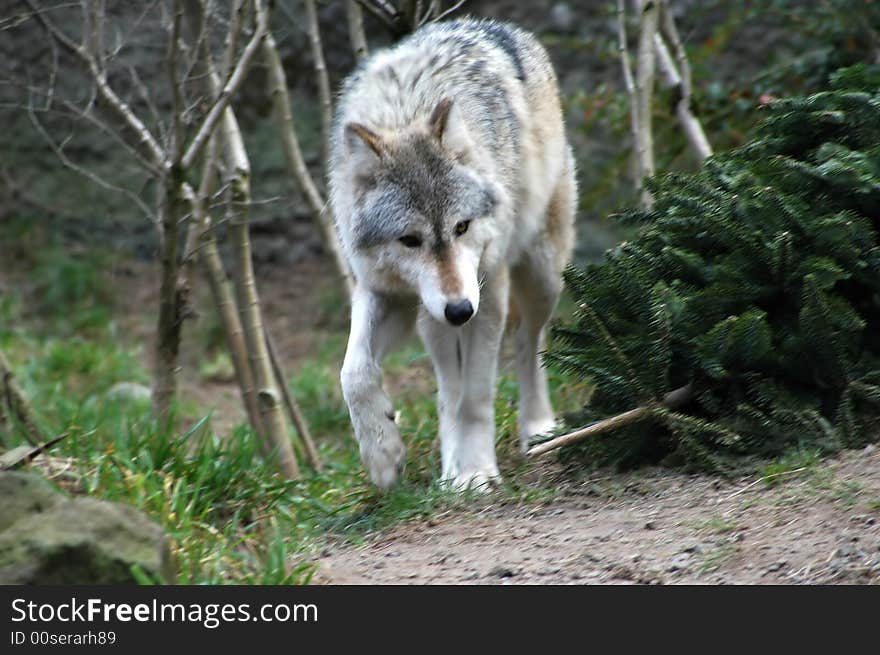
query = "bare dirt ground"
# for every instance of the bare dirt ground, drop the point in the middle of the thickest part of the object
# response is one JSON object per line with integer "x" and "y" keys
{"x": 650, "y": 526}
{"x": 816, "y": 525}
{"x": 819, "y": 525}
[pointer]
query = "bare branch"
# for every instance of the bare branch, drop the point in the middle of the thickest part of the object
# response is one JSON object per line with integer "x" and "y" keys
{"x": 296, "y": 163}
{"x": 232, "y": 85}
{"x": 670, "y": 401}
{"x": 172, "y": 61}
{"x": 20, "y": 191}
{"x": 113, "y": 133}
{"x": 93, "y": 30}
{"x": 147, "y": 98}
{"x": 24, "y": 454}
{"x": 321, "y": 76}
{"x": 53, "y": 75}
{"x": 93, "y": 177}
{"x": 458, "y": 5}
{"x": 385, "y": 12}
{"x": 232, "y": 34}
{"x": 146, "y": 142}
{"x": 12, "y": 22}
{"x": 691, "y": 126}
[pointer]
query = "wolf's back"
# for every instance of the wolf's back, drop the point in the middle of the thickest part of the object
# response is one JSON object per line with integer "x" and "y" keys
{"x": 494, "y": 72}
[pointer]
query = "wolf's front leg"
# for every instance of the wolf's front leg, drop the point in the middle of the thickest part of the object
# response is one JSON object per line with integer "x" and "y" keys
{"x": 377, "y": 323}
{"x": 466, "y": 361}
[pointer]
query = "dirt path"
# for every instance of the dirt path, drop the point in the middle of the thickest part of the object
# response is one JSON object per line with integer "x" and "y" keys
{"x": 818, "y": 525}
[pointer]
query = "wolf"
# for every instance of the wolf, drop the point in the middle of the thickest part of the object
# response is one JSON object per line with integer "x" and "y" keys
{"x": 453, "y": 187}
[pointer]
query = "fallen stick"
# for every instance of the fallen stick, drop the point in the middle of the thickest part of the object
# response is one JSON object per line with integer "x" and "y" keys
{"x": 23, "y": 454}
{"x": 670, "y": 401}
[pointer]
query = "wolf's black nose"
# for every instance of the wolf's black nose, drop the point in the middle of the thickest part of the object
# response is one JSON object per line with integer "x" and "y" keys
{"x": 459, "y": 313}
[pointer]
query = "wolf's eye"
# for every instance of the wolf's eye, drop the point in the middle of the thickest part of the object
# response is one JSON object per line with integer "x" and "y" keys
{"x": 411, "y": 240}
{"x": 461, "y": 227}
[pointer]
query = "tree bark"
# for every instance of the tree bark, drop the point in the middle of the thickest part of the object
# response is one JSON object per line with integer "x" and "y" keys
{"x": 296, "y": 163}
{"x": 645, "y": 69}
{"x": 170, "y": 318}
{"x": 680, "y": 78}
{"x": 356, "y": 33}
{"x": 208, "y": 255}
{"x": 321, "y": 78}
{"x": 293, "y": 409}
{"x": 635, "y": 126}
{"x": 268, "y": 397}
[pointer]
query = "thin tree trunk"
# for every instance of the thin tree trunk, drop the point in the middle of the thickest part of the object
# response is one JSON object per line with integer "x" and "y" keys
{"x": 635, "y": 126}
{"x": 268, "y": 398}
{"x": 322, "y": 79}
{"x": 170, "y": 315}
{"x": 296, "y": 163}
{"x": 690, "y": 124}
{"x": 645, "y": 68}
{"x": 172, "y": 296}
{"x": 356, "y": 33}
{"x": 293, "y": 409}
{"x": 208, "y": 255}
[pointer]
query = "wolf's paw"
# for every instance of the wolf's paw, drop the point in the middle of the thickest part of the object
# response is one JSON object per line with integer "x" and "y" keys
{"x": 536, "y": 428}
{"x": 384, "y": 457}
{"x": 481, "y": 481}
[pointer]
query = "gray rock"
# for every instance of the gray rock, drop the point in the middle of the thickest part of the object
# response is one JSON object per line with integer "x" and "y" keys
{"x": 129, "y": 391}
{"x": 562, "y": 18}
{"x": 24, "y": 494}
{"x": 681, "y": 562}
{"x": 48, "y": 539}
{"x": 776, "y": 566}
{"x": 502, "y": 571}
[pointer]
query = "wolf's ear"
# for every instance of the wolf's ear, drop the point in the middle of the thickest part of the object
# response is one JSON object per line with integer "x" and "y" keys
{"x": 439, "y": 118}
{"x": 357, "y": 136}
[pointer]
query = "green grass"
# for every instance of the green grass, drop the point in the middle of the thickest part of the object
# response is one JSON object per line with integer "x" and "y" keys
{"x": 716, "y": 557}
{"x": 793, "y": 462}
{"x": 716, "y": 525}
{"x": 230, "y": 516}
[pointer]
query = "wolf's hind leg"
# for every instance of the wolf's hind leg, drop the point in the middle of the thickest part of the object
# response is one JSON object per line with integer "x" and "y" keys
{"x": 537, "y": 285}
{"x": 377, "y": 324}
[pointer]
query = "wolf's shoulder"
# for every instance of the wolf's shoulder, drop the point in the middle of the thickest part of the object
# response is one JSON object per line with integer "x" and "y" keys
{"x": 517, "y": 44}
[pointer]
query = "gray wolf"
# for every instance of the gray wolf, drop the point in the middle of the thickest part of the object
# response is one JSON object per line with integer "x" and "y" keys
{"x": 453, "y": 188}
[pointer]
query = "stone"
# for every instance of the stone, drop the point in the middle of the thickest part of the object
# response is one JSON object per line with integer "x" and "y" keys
{"x": 24, "y": 494}
{"x": 46, "y": 538}
{"x": 562, "y": 18}
{"x": 129, "y": 392}
{"x": 501, "y": 571}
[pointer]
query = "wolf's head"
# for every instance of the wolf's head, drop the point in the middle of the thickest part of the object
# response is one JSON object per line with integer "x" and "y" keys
{"x": 423, "y": 209}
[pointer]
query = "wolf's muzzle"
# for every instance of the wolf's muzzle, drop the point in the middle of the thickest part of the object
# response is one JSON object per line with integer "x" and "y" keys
{"x": 459, "y": 313}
